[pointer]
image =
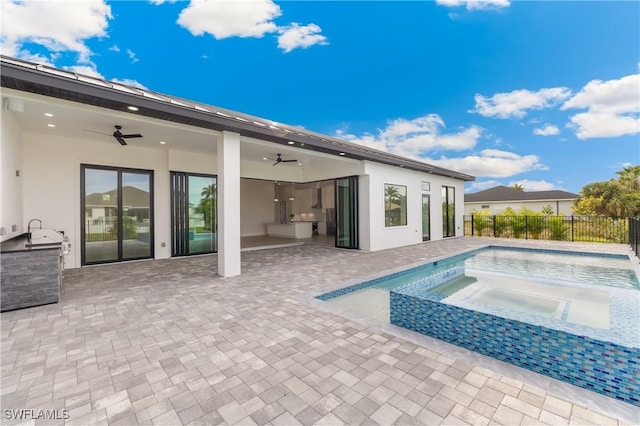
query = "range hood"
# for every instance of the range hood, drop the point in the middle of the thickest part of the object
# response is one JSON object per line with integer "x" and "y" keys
{"x": 318, "y": 199}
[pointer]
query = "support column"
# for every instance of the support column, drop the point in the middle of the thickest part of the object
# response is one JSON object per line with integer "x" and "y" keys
{"x": 229, "y": 204}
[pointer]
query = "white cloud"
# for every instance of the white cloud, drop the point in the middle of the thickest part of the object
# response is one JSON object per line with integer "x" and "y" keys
{"x": 515, "y": 104}
{"x": 491, "y": 163}
{"x": 132, "y": 56}
{"x": 475, "y": 4}
{"x": 114, "y": 48}
{"x": 480, "y": 185}
{"x": 129, "y": 82}
{"x": 534, "y": 185}
{"x": 158, "y": 2}
{"x": 295, "y": 35}
{"x": 413, "y": 138}
{"x": 226, "y": 18}
{"x": 57, "y": 28}
{"x": 547, "y": 130}
{"x": 613, "y": 108}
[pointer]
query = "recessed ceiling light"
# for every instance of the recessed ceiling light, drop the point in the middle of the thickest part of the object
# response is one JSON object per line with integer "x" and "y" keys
{"x": 290, "y": 142}
{"x": 162, "y": 142}
{"x": 264, "y": 158}
{"x": 299, "y": 164}
{"x": 51, "y": 125}
{"x": 132, "y": 108}
{"x": 342, "y": 153}
{"x": 48, "y": 114}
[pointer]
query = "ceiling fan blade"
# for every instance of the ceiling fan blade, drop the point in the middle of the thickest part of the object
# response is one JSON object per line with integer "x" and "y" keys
{"x": 289, "y": 161}
{"x": 93, "y": 131}
{"x": 121, "y": 141}
{"x": 133, "y": 135}
{"x": 272, "y": 159}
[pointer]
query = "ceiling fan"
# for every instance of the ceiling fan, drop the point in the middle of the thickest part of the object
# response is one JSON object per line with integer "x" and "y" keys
{"x": 118, "y": 135}
{"x": 279, "y": 160}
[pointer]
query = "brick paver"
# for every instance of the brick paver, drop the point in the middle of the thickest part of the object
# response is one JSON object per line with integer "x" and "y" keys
{"x": 170, "y": 342}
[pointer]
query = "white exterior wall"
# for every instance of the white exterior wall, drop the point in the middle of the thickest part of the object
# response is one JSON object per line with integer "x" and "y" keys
{"x": 379, "y": 237}
{"x": 11, "y": 160}
{"x": 564, "y": 207}
{"x": 52, "y": 184}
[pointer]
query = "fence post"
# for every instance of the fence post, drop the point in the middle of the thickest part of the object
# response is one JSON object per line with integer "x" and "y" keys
{"x": 472, "y": 224}
{"x": 572, "y": 228}
{"x": 494, "y": 225}
{"x": 526, "y": 227}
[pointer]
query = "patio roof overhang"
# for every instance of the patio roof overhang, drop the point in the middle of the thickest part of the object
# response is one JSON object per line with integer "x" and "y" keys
{"x": 60, "y": 84}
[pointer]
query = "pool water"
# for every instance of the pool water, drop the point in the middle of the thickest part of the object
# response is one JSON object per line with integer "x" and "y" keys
{"x": 533, "y": 285}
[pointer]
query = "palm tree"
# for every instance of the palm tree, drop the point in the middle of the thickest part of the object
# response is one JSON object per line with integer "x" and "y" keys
{"x": 518, "y": 187}
{"x": 207, "y": 205}
{"x": 630, "y": 177}
{"x": 391, "y": 194}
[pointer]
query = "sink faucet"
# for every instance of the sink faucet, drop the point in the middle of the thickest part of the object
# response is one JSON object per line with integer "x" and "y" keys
{"x": 29, "y": 228}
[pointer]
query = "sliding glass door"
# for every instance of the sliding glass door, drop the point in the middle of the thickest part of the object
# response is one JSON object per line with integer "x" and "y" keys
{"x": 193, "y": 214}
{"x": 448, "y": 211}
{"x": 117, "y": 214}
{"x": 426, "y": 218}
{"x": 346, "y": 202}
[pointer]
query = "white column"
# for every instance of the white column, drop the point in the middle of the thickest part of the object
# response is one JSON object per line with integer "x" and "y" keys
{"x": 229, "y": 204}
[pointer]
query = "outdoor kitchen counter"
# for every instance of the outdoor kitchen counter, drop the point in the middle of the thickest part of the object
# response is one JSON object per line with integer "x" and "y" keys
{"x": 29, "y": 275}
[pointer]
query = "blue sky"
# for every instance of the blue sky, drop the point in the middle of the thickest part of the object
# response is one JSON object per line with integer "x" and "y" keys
{"x": 545, "y": 94}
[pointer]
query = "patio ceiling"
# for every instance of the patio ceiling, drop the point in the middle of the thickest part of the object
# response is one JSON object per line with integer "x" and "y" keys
{"x": 95, "y": 125}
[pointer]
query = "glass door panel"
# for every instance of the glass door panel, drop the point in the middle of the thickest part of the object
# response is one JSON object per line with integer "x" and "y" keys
{"x": 136, "y": 215}
{"x": 194, "y": 222}
{"x": 202, "y": 214}
{"x": 100, "y": 222}
{"x": 346, "y": 196}
{"x": 426, "y": 218}
{"x": 448, "y": 211}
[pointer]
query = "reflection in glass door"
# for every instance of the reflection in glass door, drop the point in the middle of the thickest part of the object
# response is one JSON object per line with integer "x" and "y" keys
{"x": 426, "y": 218}
{"x": 346, "y": 197}
{"x": 193, "y": 214}
{"x": 117, "y": 215}
{"x": 448, "y": 211}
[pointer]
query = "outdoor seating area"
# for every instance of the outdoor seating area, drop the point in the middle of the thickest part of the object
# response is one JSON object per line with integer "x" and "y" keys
{"x": 170, "y": 342}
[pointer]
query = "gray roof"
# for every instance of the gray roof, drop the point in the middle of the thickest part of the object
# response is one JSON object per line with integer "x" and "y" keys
{"x": 57, "y": 83}
{"x": 131, "y": 197}
{"x": 505, "y": 193}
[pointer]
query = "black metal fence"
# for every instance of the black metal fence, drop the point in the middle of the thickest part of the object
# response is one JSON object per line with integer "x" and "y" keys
{"x": 560, "y": 228}
{"x": 634, "y": 234}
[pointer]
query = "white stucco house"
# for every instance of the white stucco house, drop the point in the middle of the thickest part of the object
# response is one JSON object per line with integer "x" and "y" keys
{"x": 178, "y": 177}
{"x": 495, "y": 200}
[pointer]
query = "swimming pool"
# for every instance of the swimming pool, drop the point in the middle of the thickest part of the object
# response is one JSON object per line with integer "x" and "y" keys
{"x": 571, "y": 316}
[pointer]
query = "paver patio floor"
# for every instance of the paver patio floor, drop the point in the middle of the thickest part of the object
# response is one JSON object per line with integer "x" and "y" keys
{"x": 170, "y": 342}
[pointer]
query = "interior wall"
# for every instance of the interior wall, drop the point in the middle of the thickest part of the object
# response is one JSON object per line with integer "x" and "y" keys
{"x": 11, "y": 213}
{"x": 256, "y": 206}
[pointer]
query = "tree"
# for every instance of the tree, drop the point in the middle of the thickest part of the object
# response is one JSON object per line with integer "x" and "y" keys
{"x": 207, "y": 205}
{"x": 616, "y": 198}
{"x": 518, "y": 187}
{"x": 391, "y": 195}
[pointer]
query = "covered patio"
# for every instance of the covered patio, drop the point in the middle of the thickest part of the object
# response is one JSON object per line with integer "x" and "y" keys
{"x": 170, "y": 342}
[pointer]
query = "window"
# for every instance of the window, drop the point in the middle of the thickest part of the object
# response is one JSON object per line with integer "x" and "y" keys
{"x": 448, "y": 211}
{"x": 426, "y": 186}
{"x": 395, "y": 205}
{"x": 485, "y": 206}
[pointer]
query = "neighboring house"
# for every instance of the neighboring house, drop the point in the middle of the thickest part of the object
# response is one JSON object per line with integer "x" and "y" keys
{"x": 495, "y": 200}
{"x": 199, "y": 177}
